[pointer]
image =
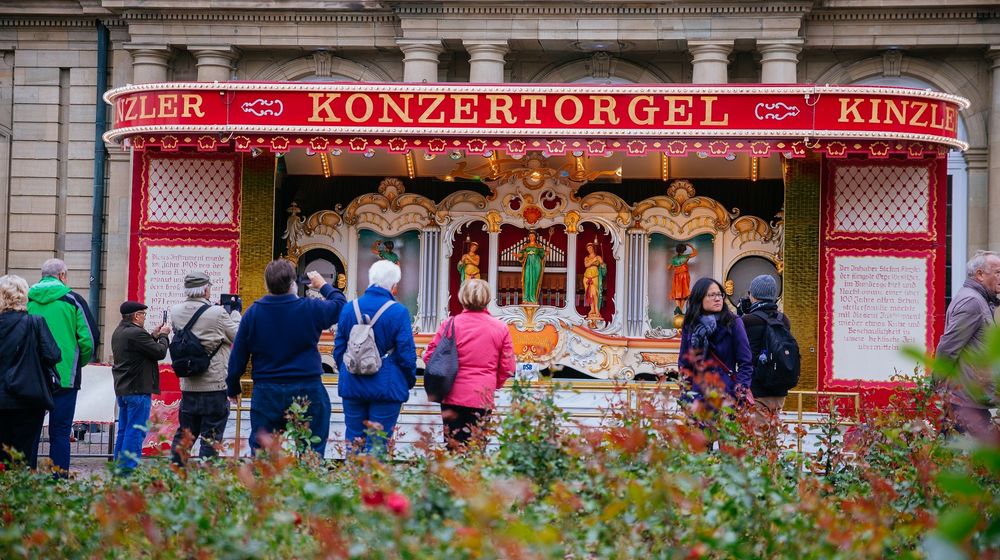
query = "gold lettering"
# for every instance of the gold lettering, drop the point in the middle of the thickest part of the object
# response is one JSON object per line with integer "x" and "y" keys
{"x": 846, "y": 110}
{"x": 436, "y": 100}
{"x": 130, "y": 109}
{"x": 893, "y": 110}
{"x": 934, "y": 117}
{"x": 168, "y": 105}
{"x": 649, "y": 110}
{"x": 875, "y": 110}
{"x": 532, "y": 101}
{"x": 349, "y": 107}
{"x": 323, "y": 107}
{"x": 500, "y": 104}
{"x": 677, "y": 108}
{"x": 950, "y": 119}
{"x": 708, "y": 120}
{"x": 464, "y": 105}
{"x": 192, "y": 105}
{"x": 604, "y": 105}
{"x": 576, "y": 103}
{"x": 921, "y": 107}
{"x": 142, "y": 109}
{"x": 402, "y": 113}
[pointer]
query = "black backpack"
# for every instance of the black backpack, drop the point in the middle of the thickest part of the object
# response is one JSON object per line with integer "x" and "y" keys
{"x": 779, "y": 363}
{"x": 189, "y": 358}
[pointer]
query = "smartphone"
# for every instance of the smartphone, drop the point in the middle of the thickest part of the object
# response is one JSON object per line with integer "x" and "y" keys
{"x": 164, "y": 316}
{"x": 232, "y": 302}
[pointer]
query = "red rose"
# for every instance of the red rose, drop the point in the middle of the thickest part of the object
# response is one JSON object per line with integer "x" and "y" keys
{"x": 398, "y": 503}
{"x": 373, "y": 498}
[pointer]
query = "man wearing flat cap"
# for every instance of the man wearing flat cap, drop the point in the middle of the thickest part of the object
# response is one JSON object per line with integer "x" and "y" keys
{"x": 137, "y": 377}
{"x": 204, "y": 409}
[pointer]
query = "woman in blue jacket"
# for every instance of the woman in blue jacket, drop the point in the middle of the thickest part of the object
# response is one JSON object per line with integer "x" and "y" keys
{"x": 713, "y": 340}
{"x": 377, "y": 398}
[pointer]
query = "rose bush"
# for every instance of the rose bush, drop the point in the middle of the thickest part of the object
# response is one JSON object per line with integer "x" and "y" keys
{"x": 646, "y": 484}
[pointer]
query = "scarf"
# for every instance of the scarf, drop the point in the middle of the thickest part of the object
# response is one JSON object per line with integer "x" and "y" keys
{"x": 991, "y": 299}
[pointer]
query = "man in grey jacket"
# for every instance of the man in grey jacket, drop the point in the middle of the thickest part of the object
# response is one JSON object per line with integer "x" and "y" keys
{"x": 973, "y": 391}
{"x": 204, "y": 409}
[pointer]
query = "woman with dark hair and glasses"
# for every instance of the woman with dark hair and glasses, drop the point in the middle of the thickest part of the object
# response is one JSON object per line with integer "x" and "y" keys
{"x": 713, "y": 340}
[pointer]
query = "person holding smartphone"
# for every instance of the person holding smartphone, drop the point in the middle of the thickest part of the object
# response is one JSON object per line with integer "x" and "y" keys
{"x": 204, "y": 409}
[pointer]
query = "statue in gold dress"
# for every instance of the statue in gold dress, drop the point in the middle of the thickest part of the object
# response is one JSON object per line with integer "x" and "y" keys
{"x": 594, "y": 272}
{"x": 468, "y": 265}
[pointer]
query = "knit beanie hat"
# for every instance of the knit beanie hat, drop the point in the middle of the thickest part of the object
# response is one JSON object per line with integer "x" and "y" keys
{"x": 764, "y": 288}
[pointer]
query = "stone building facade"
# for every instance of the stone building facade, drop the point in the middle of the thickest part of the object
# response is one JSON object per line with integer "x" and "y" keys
{"x": 49, "y": 69}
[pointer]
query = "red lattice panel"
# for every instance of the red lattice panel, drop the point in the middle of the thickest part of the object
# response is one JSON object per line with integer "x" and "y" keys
{"x": 191, "y": 191}
{"x": 882, "y": 199}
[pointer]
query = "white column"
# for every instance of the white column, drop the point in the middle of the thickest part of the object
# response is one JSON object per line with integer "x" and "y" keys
{"x": 977, "y": 235}
{"x": 493, "y": 275}
{"x": 570, "y": 302}
{"x": 710, "y": 60}
{"x": 486, "y": 60}
{"x": 957, "y": 168}
{"x": 779, "y": 60}
{"x": 149, "y": 63}
{"x": 420, "y": 59}
{"x": 215, "y": 64}
{"x": 994, "y": 139}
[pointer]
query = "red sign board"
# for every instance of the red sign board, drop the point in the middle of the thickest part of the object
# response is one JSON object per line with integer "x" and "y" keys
{"x": 862, "y": 113}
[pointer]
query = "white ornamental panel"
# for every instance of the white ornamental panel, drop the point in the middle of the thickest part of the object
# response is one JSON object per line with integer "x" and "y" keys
{"x": 881, "y": 199}
{"x": 191, "y": 191}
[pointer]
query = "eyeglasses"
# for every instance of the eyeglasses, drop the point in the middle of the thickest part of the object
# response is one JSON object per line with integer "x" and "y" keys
{"x": 714, "y": 296}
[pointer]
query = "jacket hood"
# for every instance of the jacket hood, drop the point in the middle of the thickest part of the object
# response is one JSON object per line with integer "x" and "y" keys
{"x": 49, "y": 289}
{"x": 8, "y": 322}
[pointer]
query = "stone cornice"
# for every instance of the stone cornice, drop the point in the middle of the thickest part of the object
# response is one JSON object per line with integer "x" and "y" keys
{"x": 55, "y": 21}
{"x": 525, "y": 9}
{"x": 262, "y": 17}
{"x": 902, "y": 14}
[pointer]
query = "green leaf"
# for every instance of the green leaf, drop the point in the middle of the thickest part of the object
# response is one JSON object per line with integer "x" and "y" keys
{"x": 988, "y": 457}
{"x": 959, "y": 483}
{"x": 958, "y": 523}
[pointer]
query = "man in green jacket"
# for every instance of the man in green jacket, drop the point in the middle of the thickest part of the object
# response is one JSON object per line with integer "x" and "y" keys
{"x": 76, "y": 334}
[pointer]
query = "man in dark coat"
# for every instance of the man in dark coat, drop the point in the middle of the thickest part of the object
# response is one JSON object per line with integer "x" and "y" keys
{"x": 973, "y": 391}
{"x": 763, "y": 298}
{"x": 137, "y": 377}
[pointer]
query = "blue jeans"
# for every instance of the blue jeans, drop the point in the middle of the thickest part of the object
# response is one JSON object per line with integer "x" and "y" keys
{"x": 357, "y": 412}
{"x": 133, "y": 415}
{"x": 60, "y": 425}
{"x": 270, "y": 401}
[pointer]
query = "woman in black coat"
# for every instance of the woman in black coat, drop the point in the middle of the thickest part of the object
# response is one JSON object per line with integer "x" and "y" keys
{"x": 20, "y": 422}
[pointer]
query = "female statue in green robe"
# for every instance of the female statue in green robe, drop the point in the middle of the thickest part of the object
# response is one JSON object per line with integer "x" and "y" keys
{"x": 532, "y": 257}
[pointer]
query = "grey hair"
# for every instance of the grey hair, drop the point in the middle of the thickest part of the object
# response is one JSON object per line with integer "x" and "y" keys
{"x": 53, "y": 267}
{"x": 384, "y": 274}
{"x": 199, "y": 292}
{"x": 978, "y": 262}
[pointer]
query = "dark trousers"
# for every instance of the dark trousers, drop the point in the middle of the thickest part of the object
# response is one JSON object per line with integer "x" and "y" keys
{"x": 270, "y": 401}
{"x": 204, "y": 415}
{"x": 60, "y": 425}
{"x": 459, "y": 423}
{"x": 21, "y": 429}
{"x": 976, "y": 422}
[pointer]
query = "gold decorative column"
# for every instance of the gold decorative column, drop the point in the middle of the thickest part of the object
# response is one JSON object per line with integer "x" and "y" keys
{"x": 256, "y": 224}
{"x": 800, "y": 293}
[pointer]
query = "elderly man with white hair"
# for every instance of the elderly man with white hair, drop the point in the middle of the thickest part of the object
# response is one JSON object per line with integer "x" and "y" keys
{"x": 204, "y": 408}
{"x": 378, "y": 398}
{"x": 75, "y": 331}
{"x": 972, "y": 392}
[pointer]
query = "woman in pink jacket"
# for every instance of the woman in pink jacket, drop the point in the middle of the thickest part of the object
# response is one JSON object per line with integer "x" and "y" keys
{"x": 485, "y": 362}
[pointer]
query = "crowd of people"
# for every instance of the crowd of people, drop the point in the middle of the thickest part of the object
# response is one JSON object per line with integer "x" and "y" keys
{"x": 47, "y": 334}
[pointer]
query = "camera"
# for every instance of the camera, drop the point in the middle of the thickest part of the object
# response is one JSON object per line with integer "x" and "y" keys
{"x": 743, "y": 306}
